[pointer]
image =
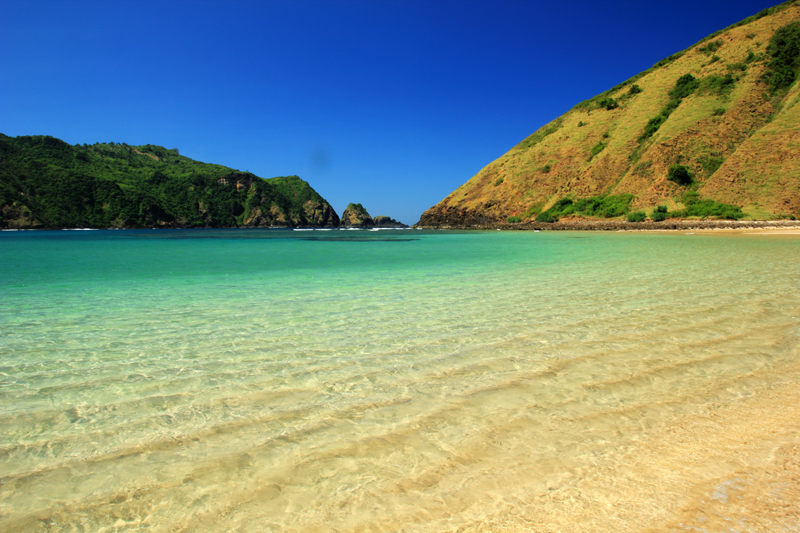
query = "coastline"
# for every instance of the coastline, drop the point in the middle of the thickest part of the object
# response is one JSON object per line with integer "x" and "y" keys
{"x": 771, "y": 226}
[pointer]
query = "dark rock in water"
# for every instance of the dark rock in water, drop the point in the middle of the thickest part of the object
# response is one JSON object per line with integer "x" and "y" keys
{"x": 355, "y": 216}
{"x": 382, "y": 221}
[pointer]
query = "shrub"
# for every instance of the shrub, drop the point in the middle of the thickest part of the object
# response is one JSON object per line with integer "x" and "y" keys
{"x": 719, "y": 111}
{"x": 609, "y": 103}
{"x": 499, "y": 181}
{"x": 637, "y": 216}
{"x": 719, "y": 84}
{"x": 659, "y": 213}
{"x": 711, "y": 47}
{"x": 704, "y": 207}
{"x": 635, "y": 89}
{"x": 596, "y": 149}
{"x": 603, "y": 206}
{"x": 685, "y": 86}
{"x": 581, "y": 124}
{"x": 784, "y": 53}
{"x": 714, "y": 59}
{"x": 680, "y": 175}
{"x": 545, "y": 217}
{"x": 546, "y": 169}
{"x": 514, "y": 220}
{"x": 652, "y": 127}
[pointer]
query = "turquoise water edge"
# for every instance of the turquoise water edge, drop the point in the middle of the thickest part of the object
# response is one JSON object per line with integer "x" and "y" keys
{"x": 399, "y": 380}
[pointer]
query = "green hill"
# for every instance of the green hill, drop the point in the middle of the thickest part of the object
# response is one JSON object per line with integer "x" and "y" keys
{"x": 47, "y": 183}
{"x": 710, "y": 132}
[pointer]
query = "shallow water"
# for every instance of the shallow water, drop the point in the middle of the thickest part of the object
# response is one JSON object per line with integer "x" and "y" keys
{"x": 262, "y": 380}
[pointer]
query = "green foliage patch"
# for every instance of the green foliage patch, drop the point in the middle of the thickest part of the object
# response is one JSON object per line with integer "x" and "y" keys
{"x": 705, "y": 208}
{"x": 596, "y": 149}
{"x": 784, "y": 53}
{"x": 718, "y": 84}
{"x": 608, "y": 103}
{"x": 680, "y": 175}
{"x": 686, "y": 85}
{"x": 711, "y": 47}
{"x": 114, "y": 184}
{"x": 603, "y": 206}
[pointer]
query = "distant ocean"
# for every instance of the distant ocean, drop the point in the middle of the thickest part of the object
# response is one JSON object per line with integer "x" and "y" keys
{"x": 398, "y": 380}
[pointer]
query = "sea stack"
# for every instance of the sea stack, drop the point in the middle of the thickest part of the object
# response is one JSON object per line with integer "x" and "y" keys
{"x": 355, "y": 216}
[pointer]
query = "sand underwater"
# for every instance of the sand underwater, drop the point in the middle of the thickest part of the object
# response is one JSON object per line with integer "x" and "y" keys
{"x": 404, "y": 380}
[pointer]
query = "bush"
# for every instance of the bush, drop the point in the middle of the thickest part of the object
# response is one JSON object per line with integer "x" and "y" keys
{"x": 635, "y": 89}
{"x": 719, "y": 111}
{"x": 603, "y": 206}
{"x": 680, "y": 175}
{"x": 686, "y": 85}
{"x": 637, "y": 216}
{"x": 784, "y": 53}
{"x": 704, "y": 207}
{"x": 546, "y": 169}
{"x": 719, "y": 84}
{"x": 659, "y": 213}
{"x": 711, "y": 47}
{"x": 514, "y": 220}
{"x": 652, "y": 127}
{"x": 546, "y": 217}
{"x": 499, "y": 181}
{"x": 608, "y": 103}
{"x": 596, "y": 149}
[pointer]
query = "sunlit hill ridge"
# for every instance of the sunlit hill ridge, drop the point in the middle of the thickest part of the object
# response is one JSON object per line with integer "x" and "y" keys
{"x": 710, "y": 132}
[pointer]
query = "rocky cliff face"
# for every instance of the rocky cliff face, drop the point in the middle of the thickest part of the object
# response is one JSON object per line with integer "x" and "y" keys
{"x": 713, "y": 109}
{"x": 355, "y": 216}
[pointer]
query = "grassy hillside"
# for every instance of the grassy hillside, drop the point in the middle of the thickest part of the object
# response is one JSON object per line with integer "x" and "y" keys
{"x": 45, "y": 182}
{"x": 713, "y": 131}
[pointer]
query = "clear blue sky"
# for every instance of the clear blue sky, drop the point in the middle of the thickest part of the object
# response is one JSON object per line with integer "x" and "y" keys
{"x": 392, "y": 104}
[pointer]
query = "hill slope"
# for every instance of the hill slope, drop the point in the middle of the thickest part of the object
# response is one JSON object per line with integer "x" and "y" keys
{"x": 702, "y": 133}
{"x": 45, "y": 182}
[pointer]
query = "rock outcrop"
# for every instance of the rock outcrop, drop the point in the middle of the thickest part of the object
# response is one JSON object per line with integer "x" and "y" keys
{"x": 382, "y": 221}
{"x": 355, "y": 216}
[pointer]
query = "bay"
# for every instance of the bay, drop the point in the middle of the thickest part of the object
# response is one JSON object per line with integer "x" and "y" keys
{"x": 398, "y": 380}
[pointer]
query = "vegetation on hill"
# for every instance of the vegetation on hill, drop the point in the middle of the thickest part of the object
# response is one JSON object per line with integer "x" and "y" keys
{"x": 45, "y": 182}
{"x": 709, "y": 132}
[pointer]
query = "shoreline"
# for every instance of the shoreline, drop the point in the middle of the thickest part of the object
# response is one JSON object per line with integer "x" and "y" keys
{"x": 785, "y": 226}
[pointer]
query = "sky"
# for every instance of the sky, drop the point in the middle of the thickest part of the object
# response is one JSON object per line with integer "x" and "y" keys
{"x": 389, "y": 103}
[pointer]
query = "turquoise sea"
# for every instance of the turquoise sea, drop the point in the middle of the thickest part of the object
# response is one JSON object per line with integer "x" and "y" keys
{"x": 398, "y": 380}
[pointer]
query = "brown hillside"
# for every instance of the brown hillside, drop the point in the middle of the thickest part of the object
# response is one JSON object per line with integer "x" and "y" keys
{"x": 741, "y": 143}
